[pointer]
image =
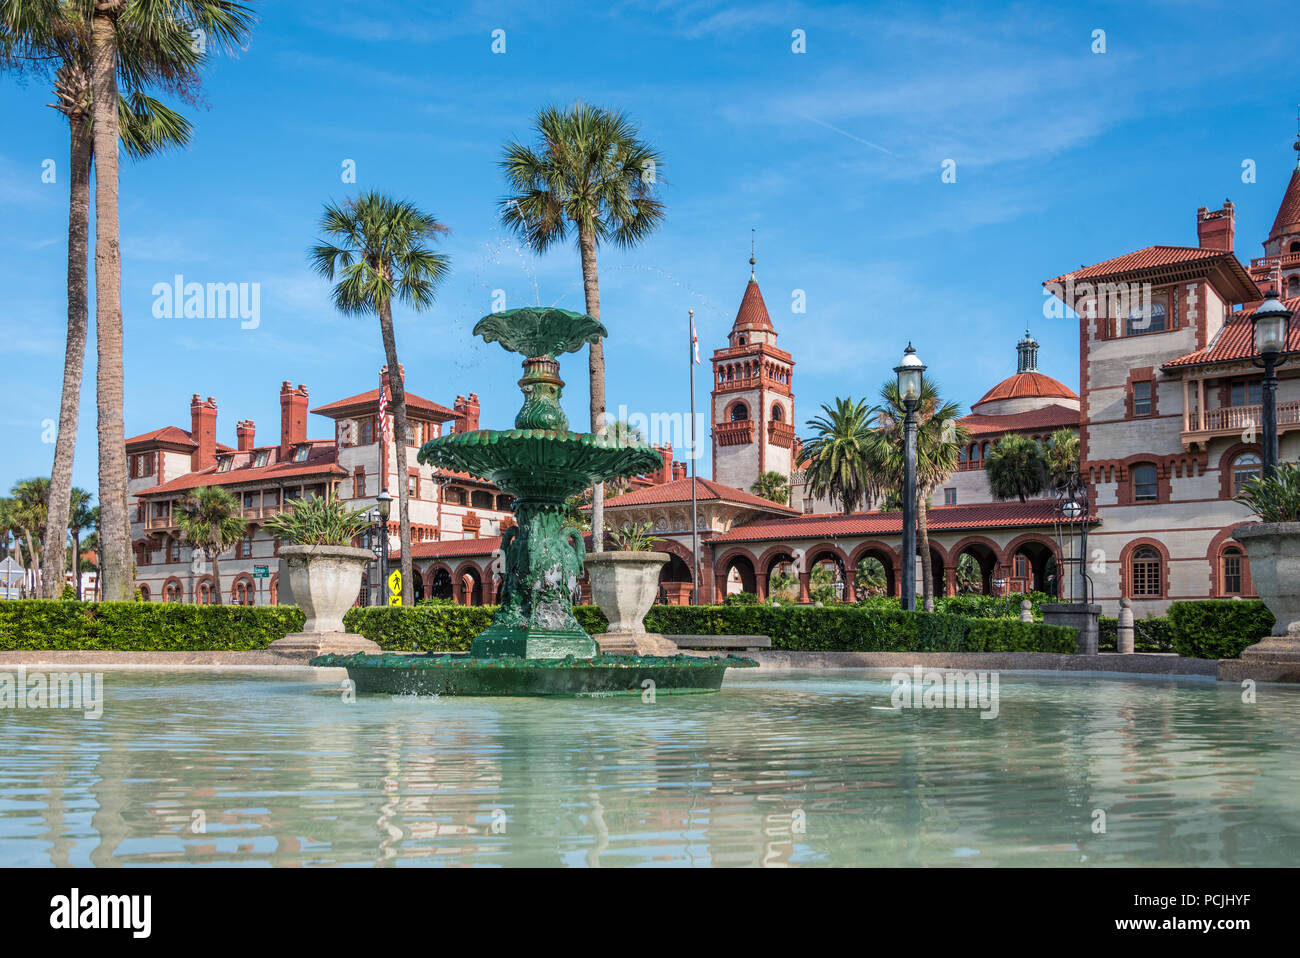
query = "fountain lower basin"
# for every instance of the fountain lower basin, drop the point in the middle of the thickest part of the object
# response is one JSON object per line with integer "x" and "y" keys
{"x": 599, "y": 677}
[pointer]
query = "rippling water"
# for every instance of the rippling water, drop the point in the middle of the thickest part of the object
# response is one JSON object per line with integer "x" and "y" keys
{"x": 780, "y": 768}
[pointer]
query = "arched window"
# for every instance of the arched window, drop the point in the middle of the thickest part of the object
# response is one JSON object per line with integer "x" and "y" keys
{"x": 1295, "y": 246}
{"x": 171, "y": 592}
{"x": 1244, "y": 467}
{"x": 1232, "y": 571}
{"x": 144, "y": 593}
{"x": 204, "y": 592}
{"x": 739, "y": 412}
{"x": 778, "y": 414}
{"x": 1293, "y": 287}
{"x": 242, "y": 592}
{"x": 1146, "y": 487}
{"x": 740, "y": 340}
{"x": 1145, "y": 572}
{"x": 974, "y": 452}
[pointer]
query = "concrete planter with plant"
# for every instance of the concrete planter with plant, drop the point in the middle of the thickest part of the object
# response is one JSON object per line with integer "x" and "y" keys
{"x": 624, "y": 584}
{"x": 324, "y": 573}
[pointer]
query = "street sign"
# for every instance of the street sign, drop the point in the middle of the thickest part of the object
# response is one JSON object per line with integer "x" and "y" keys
{"x": 395, "y": 587}
{"x": 261, "y": 572}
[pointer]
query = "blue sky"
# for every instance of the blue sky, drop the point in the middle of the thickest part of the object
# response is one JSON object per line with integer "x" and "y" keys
{"x": 1063, "y": 156}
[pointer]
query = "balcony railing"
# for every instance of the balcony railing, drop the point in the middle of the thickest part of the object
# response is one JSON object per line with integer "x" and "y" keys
{"x": 780, "y": 433}
{"x": 969, "y": 465}
{"x": 735, "y": 433}
{"x": 1285, "y": 260}
{"x": 1227, "y": 420}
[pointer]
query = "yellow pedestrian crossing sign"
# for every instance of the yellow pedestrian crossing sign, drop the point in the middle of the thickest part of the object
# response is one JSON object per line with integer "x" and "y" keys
{"x": 395, "y": 587}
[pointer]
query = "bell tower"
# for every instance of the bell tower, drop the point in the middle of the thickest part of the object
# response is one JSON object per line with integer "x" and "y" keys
{"x": 753, "y": 406}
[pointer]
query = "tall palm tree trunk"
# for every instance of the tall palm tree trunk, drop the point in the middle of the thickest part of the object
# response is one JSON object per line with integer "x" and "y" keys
{"x": 76, "y": 562}
{"x": 398, "y": 389}
{"x": 927, "y": 567}
{"x": 596, "y": 374}
{"x": 74, "y": 360}
{"x": 115, "y": 527}
{"x": 216, "y": 579}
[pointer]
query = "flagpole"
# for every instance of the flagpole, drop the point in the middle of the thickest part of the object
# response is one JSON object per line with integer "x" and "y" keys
{"x": 695, "y": 516}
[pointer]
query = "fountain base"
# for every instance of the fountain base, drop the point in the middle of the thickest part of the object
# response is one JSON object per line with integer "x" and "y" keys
{"x": 601, "y": 676}
{"x": 524, "y": 642}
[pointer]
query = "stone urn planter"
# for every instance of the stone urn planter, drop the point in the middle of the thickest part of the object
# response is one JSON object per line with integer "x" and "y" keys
{"x": 324, "y": 582}
{"x": 1273, "y": 549}
{"x": 624, "y": 585}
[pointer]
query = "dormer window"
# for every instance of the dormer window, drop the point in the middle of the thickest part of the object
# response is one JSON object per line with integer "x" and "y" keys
{"x": 261, "y": 459}
{"x": 224, "y": 463}
{"x": 300, "y": 453}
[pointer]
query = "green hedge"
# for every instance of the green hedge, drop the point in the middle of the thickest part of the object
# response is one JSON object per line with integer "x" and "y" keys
{"x": 974, "y": 606}
{"x": 1011, "y": 635}
{"x": 50, "y": 624}
{"x": 1152, "y": 634}
{"x": 439, "y": 628}
{"x": 1218, "y": 628}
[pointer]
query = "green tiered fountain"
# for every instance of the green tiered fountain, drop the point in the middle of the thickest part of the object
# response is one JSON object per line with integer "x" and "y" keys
{"x": 534, "y": 645}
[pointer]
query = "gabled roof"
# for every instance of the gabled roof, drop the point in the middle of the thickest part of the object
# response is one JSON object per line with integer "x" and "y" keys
{"x": 993, "y": 515}
{"x": 1236, "y": 340}
{"x": 321, "y": 461}
{"x": 368, "y": 400}
{"x": 1049, "y": 417}
{"x": 1198, "y": 259}
{"x": 679, "y": 490}
{"x": 166, "y": 436}
{"x": 1029, "y": 385}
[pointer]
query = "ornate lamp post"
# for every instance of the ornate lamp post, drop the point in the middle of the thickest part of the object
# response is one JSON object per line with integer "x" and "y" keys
{"x": 1271, "y": 324}
{"x": 909, "y": 372}
{"x": 384, "y": 503}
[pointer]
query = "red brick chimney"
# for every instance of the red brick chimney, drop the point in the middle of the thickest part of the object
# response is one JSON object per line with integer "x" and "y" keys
{"x": 665, "y": 472}
{"x": 383, "y": 374}
{"x": 293, "y": 417}
{"x": 1215, "y": 230}
{"x": 679, "y": 470}
{"x": 245, "y": 431}
{"x": 203, "y": 430}
{"x": 468, "y": 409}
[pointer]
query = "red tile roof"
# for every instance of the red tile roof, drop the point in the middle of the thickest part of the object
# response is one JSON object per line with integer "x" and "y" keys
{"x": 361, "y": 401}
{"x": 1148, "y": 258}
{"x": 995, "y": 515}
{"x": 753, "y": 311}
{"x": 679, "y": 490}
{"x": 1236, "y": 340}
{"x": 173, "y": 435}
{"x": 1049, "y": 417}
{"x": 1029, "y": 385}
{"x": 453, "y": 547}
{"x": 1288, "y": 214}
{"x": 320, "y": 462}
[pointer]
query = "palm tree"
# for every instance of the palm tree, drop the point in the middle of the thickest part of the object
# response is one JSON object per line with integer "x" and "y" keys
{"x": 1016, "y": 468}
{"x": 772, "y": 486}
{"x": 209, "y": 520}
{"x": 938, "y": 439}
{"x": 31, "y": 504}
{"x": 1062, "y": 456}
{"x": 81, "y": 515}
{"x": 592, "y": 173}
{"x": 837, "y": 457}
{"x": 53, "y": 37}
{"x": 383, "y": 255}
{"x": 165, "y": 28}
{"x": 9, "y": 528}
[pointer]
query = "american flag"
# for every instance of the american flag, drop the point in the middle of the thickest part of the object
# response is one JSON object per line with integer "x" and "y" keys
{"x": 385, "y": 432}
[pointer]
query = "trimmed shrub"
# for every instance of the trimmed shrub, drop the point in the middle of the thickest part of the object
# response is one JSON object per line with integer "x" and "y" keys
{"x": 1012, "y": 635}
{"x": 52, "y": 624}
{"x": 439, "y": 627}
{"x": 1218, "y": 628}
{"x": 1152, "y": 634}
{"x": 741, "y": 598}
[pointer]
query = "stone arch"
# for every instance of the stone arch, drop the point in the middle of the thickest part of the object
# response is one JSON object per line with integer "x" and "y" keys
{"x": 743, "y": 561}
{"x": 438, "y": 581}
{"x": 467, "y": 584}
{"x": 203, "y": 590}
{"x": 985, "y": 552}
{"x": 887, "y": 557}
{"x": 173, "y": 590}
{"x": 1038, "y": 549}
{"x": 1214, "y": 554}
{"x": 243, "y": 590}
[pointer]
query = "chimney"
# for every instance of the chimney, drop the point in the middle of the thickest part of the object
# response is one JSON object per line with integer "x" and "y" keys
{"x": 383, "y": 374}
{"x": 665, "y": 472}
{"x": 203, "y": 430}
{"x": 244, "y": 430}
{"x": 468, "y": 409}
{"x": 293, "y": 417}
{"x": 679, "y": 470}
{"x": 1215, "y": 229}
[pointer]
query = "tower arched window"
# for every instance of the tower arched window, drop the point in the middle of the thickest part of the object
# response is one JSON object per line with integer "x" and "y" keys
{"x": 739, "y": 412}
{"x": 778, "y": 414}
{"x": 1293, "y": 287}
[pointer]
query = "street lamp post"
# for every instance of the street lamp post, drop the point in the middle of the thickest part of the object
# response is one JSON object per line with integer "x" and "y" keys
{"x": 1270, "y": 323}
{"x": 384, "y": 502}
{"x": 909, "y": 372}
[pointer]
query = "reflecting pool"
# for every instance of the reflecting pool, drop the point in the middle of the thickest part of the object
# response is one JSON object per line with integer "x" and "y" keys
{"x": 779, "y": 768}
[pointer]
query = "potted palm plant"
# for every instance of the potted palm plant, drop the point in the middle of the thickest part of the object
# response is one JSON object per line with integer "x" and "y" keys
{"x": 1273, "y": 547}
{"x": 624, "y": 583}
{"x": 323, "y": 572}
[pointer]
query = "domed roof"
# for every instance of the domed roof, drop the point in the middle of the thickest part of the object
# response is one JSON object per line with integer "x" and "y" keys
{"x": 1029, "y": 385}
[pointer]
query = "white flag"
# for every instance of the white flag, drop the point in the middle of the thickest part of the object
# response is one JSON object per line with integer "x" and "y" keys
{"x": 695, "y": 341}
